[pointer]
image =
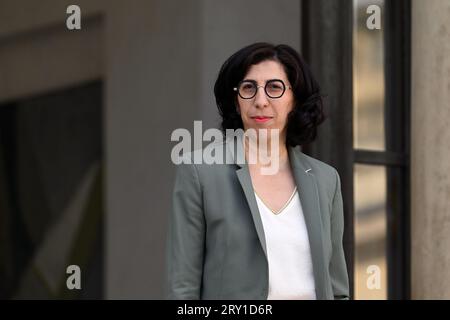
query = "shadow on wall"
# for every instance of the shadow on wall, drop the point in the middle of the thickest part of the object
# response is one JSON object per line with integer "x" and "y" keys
{"x": 51, "y": 197}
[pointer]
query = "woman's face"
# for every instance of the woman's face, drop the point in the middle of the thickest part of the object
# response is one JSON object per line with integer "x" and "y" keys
{"x": 275, "y": 109}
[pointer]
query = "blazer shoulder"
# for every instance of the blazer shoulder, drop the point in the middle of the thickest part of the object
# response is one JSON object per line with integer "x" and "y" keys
{"x": 318, "y": 166}
{"x": 327, "y": 176}
{"x": 197, "y": 156}
{"x": 200, "y": 161}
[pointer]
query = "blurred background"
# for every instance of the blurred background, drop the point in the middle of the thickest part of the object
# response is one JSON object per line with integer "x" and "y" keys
{"x": 86, "y": 117}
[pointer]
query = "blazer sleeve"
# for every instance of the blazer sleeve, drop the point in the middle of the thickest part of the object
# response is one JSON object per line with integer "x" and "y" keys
{"x": 338, "y": 267}
{"x": 185, "y": 236}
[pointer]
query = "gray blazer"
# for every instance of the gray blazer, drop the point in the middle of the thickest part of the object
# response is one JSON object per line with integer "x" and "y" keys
{"x": 216, "y": 246}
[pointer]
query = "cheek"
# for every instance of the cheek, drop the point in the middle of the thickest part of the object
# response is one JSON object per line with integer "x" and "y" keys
{"x": 243, "y": 106}
{"x": 285, "y": 108}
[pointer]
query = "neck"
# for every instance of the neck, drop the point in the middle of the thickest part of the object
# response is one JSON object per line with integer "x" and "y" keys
{"x": 254, "y": 149}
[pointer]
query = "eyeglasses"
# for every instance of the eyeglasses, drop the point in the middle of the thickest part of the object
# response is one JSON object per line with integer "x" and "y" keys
{"x": 274, "y": 88}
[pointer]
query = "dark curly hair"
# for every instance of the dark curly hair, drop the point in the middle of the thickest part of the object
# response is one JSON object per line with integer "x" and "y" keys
{"x": 307, "y": 113}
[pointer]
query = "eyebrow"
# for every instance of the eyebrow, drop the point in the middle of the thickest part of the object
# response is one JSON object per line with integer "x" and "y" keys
{"x": 252, "y": 80}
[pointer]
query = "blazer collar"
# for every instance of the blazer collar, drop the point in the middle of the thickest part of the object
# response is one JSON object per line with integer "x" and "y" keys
{"x": 309, "y": 198}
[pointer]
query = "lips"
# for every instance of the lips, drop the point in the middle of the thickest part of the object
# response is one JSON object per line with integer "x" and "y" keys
{"x": 261, "y": 118}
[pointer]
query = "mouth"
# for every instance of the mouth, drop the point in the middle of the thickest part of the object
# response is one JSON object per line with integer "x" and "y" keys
{"x": 261, "y": 118}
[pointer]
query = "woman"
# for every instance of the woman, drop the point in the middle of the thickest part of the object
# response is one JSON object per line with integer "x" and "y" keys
{"x": 237, "y": 233}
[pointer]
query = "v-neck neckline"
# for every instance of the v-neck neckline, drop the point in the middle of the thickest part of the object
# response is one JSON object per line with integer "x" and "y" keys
{"x": 283, "y": 207}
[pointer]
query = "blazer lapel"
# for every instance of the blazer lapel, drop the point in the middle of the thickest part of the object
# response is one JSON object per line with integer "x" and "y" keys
{"x": 307, "y": 189}
{"x": 245, "y": 180}
{"x": 243, "y": 175}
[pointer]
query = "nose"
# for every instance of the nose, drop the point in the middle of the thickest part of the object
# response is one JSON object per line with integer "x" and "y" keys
{"x": 261, "y": 100}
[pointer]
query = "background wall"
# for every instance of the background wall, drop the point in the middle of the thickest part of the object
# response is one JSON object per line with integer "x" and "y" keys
{"x": 430, "y": 200}
{"x": 158, "y": 61}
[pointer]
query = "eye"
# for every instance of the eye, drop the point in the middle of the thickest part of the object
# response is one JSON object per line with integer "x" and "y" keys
{"x": 275, "y": 86}
{"x": 247, "y": 86}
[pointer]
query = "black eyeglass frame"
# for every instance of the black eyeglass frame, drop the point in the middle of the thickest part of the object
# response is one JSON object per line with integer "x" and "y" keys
{"x": 265, "y": 88}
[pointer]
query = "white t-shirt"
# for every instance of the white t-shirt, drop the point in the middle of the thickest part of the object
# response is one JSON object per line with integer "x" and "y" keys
{"x": 288, "y": 250}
